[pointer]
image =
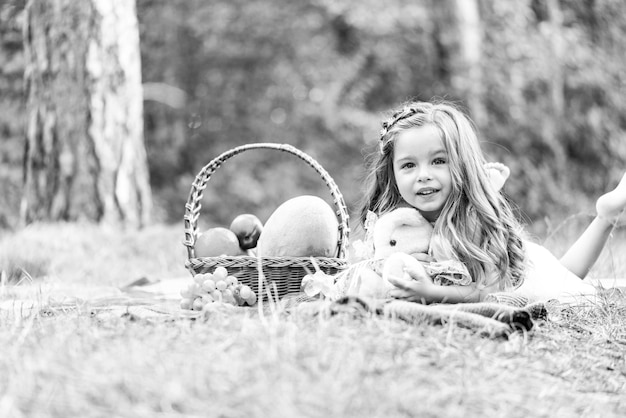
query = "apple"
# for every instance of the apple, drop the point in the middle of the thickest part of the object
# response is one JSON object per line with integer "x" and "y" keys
{"x": 216, "y": 242}
{"x": 247, "y": 228}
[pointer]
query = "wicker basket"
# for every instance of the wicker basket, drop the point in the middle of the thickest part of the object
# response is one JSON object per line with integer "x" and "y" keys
{"x": 284, "y": 274}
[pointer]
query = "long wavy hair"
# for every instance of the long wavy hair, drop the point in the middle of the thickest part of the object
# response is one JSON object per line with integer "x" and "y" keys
{"x": 477, "y": 225}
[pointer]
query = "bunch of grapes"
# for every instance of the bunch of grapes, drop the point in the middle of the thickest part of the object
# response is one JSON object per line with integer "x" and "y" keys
{"x": 216, "y": 287}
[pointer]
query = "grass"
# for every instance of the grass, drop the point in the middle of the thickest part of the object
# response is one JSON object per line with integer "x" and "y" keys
{"x": 93, "y": 255}
{"x": 612, "y": 261}
{"x": 76, "y": 359}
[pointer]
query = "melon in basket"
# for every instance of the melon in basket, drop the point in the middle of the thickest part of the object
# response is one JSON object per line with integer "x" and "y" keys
{"x": 301, "y": 227}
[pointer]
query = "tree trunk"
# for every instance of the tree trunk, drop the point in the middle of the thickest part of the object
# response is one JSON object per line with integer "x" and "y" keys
{"x": 553, "y": 126}
{"x": 470, "y": 60}
{"x": 460, "y": 35}
{"x": 84, "y": 157}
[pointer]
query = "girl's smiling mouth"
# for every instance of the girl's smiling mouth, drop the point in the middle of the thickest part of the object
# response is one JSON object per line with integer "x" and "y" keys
{"x": 426, "y": 191}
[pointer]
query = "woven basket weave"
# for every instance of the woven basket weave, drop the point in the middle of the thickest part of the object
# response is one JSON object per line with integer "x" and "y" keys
{"x": 281, "y": 275}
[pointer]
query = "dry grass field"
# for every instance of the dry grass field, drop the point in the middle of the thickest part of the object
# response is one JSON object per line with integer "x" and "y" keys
{"x": 65, "y": 353}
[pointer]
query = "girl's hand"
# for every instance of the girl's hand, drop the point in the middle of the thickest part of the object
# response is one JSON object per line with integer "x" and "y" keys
{"x": 418, "y": 288}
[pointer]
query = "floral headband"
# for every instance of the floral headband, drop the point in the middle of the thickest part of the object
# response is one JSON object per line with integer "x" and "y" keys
{"x": 398, "y": 115}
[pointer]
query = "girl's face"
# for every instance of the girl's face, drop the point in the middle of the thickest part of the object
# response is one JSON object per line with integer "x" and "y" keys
{"x": 421, "y": 170}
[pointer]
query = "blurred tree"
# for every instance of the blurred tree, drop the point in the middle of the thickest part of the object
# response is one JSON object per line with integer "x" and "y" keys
{"x": 542, "y": 79}
{"x": 458, "y": 36}
{"x": 85, "y": 157}
{"x": 312, "y": 74}
{"x": 11, "y": 110}
{"x": 555, "y": 99}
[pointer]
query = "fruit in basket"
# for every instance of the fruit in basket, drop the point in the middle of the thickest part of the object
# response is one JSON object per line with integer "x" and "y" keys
{"x": 245, "y": 292}
{"x": 300, "y": 227}
{"x": 220, "y": 273}
{"x": 215, "y": 288}
{"x": 218, "y": 241}
{"x": 208, "y": 285}
{"x": 186, "y": 303}
{"x": 248, "y": 228}
{"x": 197, "y": 304}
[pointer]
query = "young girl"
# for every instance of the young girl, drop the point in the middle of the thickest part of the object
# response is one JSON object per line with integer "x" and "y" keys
{"x": 430, "y": 158}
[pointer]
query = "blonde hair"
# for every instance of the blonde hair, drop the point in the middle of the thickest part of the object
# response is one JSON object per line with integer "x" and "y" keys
{"x": 476, "y": 225}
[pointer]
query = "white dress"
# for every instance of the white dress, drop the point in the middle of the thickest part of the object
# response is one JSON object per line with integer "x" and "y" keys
{"x": 546, "y": 278}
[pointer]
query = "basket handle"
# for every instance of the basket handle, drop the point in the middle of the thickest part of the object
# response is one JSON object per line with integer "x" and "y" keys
{"x": 193, "y": 205}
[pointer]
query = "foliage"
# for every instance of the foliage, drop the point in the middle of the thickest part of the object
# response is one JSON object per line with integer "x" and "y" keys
{"x": 577, "y": 145}
{"x": 320, "y": 74}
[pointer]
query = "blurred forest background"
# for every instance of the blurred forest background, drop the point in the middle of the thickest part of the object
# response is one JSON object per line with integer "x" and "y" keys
{"x": 542, "y": 79}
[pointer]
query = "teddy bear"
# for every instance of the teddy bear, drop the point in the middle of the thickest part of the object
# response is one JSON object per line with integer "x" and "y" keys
{"x": 398, "y": 236}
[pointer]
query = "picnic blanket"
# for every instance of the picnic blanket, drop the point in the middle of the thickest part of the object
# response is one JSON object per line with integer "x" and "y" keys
{"x": 498, "y": 316}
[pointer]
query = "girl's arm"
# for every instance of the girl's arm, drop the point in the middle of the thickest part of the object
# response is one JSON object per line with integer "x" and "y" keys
{"x": 420, "y": 288}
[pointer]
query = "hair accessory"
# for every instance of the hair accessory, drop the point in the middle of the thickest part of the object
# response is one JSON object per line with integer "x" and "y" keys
{"x": 398, "y": 115}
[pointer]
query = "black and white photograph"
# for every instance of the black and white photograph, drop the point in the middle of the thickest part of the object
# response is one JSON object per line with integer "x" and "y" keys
{"x": 312, "y": 208}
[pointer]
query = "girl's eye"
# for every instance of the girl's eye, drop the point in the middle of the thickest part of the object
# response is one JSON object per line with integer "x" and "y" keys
{"x": 437, "y": 161}
{"x": 407, "y": 165}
